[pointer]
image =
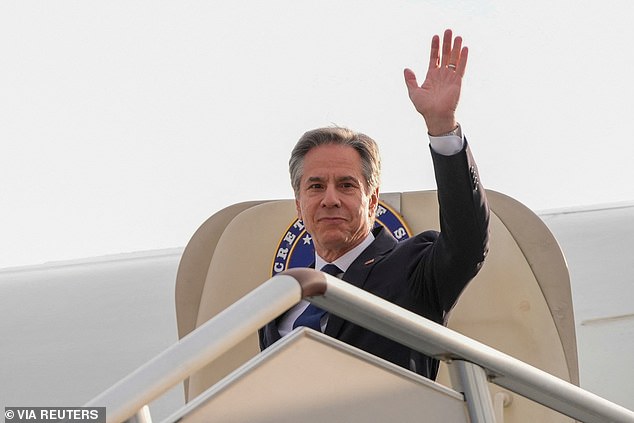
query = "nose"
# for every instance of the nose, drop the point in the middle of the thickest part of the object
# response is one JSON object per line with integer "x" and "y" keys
{"x": 331, "y": 197}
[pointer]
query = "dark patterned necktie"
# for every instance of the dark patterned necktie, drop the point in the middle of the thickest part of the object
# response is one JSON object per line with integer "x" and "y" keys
{"x": 311, "y": 317}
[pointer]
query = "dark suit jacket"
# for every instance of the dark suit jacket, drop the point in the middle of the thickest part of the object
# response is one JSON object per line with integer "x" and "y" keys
{"x": 424, "y": 274}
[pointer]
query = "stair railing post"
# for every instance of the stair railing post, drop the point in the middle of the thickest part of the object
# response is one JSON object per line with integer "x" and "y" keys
{"x": 471, "y": 380}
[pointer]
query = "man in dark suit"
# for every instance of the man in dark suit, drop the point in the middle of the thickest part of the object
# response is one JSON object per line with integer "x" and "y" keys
{"x": 335, "y": 175}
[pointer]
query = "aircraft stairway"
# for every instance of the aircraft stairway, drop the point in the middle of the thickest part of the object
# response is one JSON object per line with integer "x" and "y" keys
{"x": 508, "y": 353}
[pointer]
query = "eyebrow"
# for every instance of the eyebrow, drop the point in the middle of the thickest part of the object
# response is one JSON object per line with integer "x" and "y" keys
{"x": 341, "y": 179}
{"x": 314, "y": 179}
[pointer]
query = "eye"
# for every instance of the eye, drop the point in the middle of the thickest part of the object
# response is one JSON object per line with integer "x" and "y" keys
{"x": 315, "y": 186}
{"x": 347, "y": 185}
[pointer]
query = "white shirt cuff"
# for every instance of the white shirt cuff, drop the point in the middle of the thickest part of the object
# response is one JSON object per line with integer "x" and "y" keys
{"x": 447, "y": 145}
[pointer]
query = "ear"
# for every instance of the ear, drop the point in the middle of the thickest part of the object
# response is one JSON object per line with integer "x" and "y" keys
{"x": 298, "y": 208}
{"x": 374, "y": 202}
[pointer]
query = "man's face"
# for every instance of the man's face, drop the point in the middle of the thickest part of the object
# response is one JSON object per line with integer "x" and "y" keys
{"x": 333, "y": 201}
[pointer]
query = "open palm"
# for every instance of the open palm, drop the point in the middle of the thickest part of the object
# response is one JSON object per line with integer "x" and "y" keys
{"x": 437, "y": 98}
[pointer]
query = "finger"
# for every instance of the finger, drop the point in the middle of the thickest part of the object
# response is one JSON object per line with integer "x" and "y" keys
{"x": 410, "y": 80}
{"x": 446, "y": 48}
{"x": 434, "y": 55}
{"x": 462, "y": 65}
{"x": 455, "y": 52}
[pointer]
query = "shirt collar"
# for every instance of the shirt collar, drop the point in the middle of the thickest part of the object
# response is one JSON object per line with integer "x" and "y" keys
{"x": 346, "y": 260}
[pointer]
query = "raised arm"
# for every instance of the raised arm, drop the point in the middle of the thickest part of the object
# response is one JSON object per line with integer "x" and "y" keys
{"x": 459, "y": 250}
{"x": 437, "y": 98}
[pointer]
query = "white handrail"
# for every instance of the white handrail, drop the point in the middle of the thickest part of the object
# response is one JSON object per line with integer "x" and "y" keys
{"x": 281, "y": 292}
{"x": 199, "y": 348}
{"x": 423, "y": 335}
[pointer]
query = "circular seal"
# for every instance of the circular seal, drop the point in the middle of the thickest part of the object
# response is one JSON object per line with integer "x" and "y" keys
{"x": 296, "y": 249}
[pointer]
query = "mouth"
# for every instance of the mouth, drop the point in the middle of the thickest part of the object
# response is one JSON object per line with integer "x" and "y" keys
{"x": 331, "y": 219}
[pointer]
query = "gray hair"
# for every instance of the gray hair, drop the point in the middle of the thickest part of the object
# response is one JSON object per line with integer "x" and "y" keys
{"x": 364, "y": 145}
